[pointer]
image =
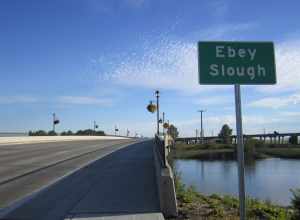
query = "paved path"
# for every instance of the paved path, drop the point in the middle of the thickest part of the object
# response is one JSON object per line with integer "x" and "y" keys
{"x": 120, "y": 183}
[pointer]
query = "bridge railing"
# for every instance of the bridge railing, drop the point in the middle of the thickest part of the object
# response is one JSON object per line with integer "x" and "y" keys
{"x": 161, "y": 150}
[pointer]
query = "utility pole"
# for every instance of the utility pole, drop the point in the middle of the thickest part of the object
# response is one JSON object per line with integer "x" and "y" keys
{"x": 157, "y": 105}
{"x": 201, "y": 131}
{"x": 163, "y": 122}
{"x": 116, "y": 129}
{"x": 53, "y": 122}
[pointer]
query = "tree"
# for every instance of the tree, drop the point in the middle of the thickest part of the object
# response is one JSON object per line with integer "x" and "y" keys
{"x": 38, "y": 133}
{"x": 52, "y": 133}
{"x": 225, "y": 134}
{"x": 296, "y": 203}
{"x": 67, "y": 133}
{"x": 293, "y": 139}
{"x": 90, "y": 132}
{"x": 173, "y": 131}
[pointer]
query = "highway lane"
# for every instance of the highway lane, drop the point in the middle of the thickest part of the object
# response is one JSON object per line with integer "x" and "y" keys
{"x": 27, "y": 168}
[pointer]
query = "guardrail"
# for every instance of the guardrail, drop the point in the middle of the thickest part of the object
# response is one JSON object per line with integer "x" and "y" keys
{"x": 164, "y": 177}
{"x": 161, "y": 150}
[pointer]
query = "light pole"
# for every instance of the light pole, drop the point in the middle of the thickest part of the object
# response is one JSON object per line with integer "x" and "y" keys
{"x": 95, "y": 127}
{"x": 127, "y": 132}
{"x": 201, "y": 132}
{"x": 116, "y": 129}
{"x": 163, "y": 122}
{"x": 157, "y": 105}
{"x": 55, "y": 121}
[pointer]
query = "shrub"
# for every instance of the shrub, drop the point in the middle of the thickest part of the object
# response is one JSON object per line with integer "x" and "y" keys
{"x": 250, "y": 147}
{"x": 296, "y": 202}
{"x": 37, "y": 133}
{"x": 67, "y": 133}
{"x": 52, "y": 133}
{"x": 293, "y": 139}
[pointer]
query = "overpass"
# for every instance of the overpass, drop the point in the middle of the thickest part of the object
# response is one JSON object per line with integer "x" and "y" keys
{"x": 89, "y": 178}
{"x": 273, "y": 138}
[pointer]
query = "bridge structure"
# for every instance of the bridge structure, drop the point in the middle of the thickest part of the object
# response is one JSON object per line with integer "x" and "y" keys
{"x": 87, "y": 178}
{"x": 272, "y": 138}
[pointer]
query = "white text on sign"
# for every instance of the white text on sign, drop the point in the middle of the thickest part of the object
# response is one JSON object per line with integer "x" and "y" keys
{"x": 226, "y": 52}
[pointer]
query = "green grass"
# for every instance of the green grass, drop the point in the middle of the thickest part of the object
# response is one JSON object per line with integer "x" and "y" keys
{"x": 203, "y": 151}
{"x": 288, "y": 152}
{"x": 254, "y": 149}
{"x": 194, "y": 204}
{"x": 204, "y": 154}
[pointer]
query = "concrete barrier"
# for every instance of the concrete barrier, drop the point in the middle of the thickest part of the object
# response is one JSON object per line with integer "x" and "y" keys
{"x": 45, "y": 139}
{"x": 165, "y": 184}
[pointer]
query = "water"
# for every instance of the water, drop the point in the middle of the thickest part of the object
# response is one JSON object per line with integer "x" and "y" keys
{"x": 269, "y": 179}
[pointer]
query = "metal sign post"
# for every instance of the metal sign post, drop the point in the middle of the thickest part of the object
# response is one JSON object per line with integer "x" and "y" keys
{"x": 240, "y": 151}
{"x": 237, "y": 63}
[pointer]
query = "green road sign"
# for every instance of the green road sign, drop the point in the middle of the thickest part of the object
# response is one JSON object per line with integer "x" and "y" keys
{"x": 236, "y": 63}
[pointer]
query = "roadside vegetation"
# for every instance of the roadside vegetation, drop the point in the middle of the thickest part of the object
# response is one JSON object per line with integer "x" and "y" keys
{"x": 254, "y": 149}
{"x": 194, "y": 205}
{"x": 87, "y": 132}
{"x": 224, "y": 149}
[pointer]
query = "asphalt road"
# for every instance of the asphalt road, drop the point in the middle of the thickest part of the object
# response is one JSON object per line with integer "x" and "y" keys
{"x": 121, "y": 183}
{"x": 27, "y": 168}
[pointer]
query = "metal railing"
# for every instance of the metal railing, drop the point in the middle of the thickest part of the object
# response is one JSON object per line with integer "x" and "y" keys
{"x": 160, "y": 150}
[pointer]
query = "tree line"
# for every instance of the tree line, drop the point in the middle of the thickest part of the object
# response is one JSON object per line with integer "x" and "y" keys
{"x": 226, "y": 132}
{"x": 86, "y": 132}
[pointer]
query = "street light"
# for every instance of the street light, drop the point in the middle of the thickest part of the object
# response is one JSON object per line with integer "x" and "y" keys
{"x": 55, "y": 121}
{"x": 116, "y": 130}
{"x": 95, "y": 127}
{"x": 201, "y": 131}
{"x": 157, "y": 106}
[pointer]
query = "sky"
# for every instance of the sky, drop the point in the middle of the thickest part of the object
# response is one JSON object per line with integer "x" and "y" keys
{"x": 102, "y": 60}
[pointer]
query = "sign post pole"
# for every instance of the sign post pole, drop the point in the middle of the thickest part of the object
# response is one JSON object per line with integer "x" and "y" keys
{"x": 240, "y": 151}
{"x": 237, "y": 63}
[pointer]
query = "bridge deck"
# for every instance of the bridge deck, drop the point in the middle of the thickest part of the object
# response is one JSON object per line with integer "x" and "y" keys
{"x": 121, "y": 183}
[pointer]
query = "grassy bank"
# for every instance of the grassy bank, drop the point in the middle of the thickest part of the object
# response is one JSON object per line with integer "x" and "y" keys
{"x": 253, "y": 149}
{"x": 203, "y": 151}
{"x": 283, "y": 152}
{"x": 194, "y": 205}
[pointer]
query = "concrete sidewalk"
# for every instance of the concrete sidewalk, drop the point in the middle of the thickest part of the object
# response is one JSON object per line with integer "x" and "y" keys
{"x": 122, "y": 183}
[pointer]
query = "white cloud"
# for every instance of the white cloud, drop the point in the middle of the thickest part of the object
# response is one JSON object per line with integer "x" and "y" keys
{"x": 226, "y": 31}
{"x": 276, "y": 102}
{"x": 251, "y": 124}
{"x": 287, "y": 55}
{"x": 170, "y": 65}
{"x": 166, "y": 64}
{"x": 84, "y": 100}
{"x": 17, "y": 99}
{"x": 290, "y": 114}
{"x": 216, "y": 100}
